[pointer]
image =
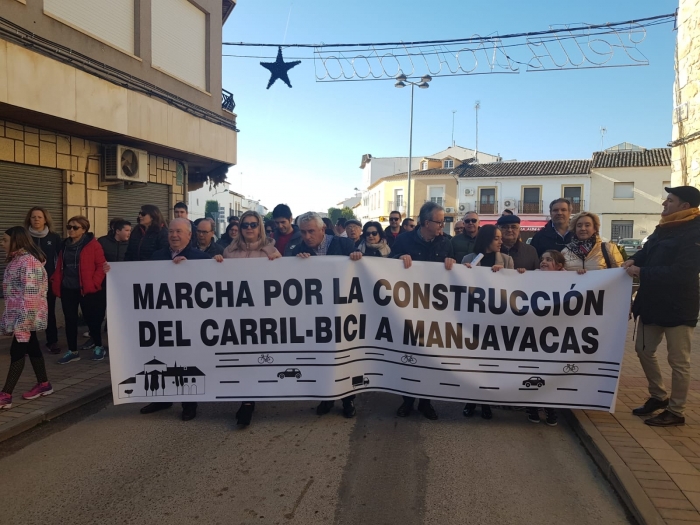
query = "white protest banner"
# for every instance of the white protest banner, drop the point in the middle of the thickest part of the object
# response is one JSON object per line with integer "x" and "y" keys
{"x": 327, "y": 327}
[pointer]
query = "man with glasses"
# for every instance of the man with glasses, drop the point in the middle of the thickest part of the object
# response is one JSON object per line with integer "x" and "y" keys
{"x": 205, "y": 238}
{"x": 407, "y": 225}
{"x": 287, "y": 237}
{"x": 425, "y": 243}
{"x": 463, "y": 243}
{"x": 524, "y": 255}
{"x": 555, "y": 235}
{"x": 394, "y": 229}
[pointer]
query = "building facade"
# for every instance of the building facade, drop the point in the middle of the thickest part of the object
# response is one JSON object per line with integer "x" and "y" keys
{"x": 686, "y": 96}
{"x": 105, "y": 106}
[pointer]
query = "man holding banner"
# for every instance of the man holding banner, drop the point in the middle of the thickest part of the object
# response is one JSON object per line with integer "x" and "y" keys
{"x": 667, "y": 302}
{"x": 425, "y": 243}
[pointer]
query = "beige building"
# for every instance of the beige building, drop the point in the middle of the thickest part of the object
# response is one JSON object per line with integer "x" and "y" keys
{"x": 686, "y": 96}
{"x": 108, "y": 105}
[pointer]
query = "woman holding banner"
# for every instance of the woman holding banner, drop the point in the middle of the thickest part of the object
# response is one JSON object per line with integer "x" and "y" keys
{"x": 587, "y": 251}
{"x": 251, "y": 243}
{"x": 373, "y": 243}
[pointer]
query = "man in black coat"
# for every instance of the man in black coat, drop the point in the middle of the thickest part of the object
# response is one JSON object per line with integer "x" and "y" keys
{"x": 667, "y": 302}
{"x": 555, "y": 235}
{"x": 316, "y": 242}
{"x": 425, "y": 243}
{"x": 179, "y": 250}
{"x": 392, "y": 232}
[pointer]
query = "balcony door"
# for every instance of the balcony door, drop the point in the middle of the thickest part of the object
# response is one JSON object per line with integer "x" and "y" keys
{"x": 487, "y": 200}
{"x": 532, "y": 201}
{"x": 573, "y": 193}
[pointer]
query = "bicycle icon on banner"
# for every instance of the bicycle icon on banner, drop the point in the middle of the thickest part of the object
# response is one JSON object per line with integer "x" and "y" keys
{"x": 408, "y": 358}
{"x": 265, "y": 358}
{"x": 570, "y": 368}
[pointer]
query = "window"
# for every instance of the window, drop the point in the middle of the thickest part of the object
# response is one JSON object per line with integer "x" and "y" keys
{"x": 436, "y": 194}
{"x": 573, "y": 193}
{"x": 110, "y": 22}
{"x": 623, "y": 190}
{"x": 398, "y": 198}
{"x": 622, "y": 230}
{"x": 531, "y": 202}
{"x": 448, "y": 164}
{"x": 179, "y": 40}
{"x": 487, "y": 200}
{"x": 424, "y": 165}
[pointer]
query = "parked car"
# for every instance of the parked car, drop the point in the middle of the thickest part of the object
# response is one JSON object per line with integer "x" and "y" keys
{"x": 537, "y": 381}
{"x": 631, "y": 246}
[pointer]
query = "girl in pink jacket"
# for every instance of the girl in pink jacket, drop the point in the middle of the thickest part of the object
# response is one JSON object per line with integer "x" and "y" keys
{"x": 25, "y": 286}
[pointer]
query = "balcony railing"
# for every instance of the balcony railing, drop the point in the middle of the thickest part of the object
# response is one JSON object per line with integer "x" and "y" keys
{"x": 578, "y": 207}
{"x": 485, "y": 208}
{"x": 530, "y": 207}
{"x": 227, "y": 101}
{"x": 395, "y": 206}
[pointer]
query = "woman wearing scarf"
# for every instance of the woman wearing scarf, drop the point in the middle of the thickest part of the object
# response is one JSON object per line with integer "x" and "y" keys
{"x": 251, "y": 243}
{"x": 587, "y": 251}
{"x": 38, "y": 223}
{"x": 373, "y": 242}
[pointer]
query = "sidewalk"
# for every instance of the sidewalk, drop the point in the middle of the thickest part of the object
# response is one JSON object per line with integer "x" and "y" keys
{"x": 74, "y": 384}
{"x": 655, "y": 470}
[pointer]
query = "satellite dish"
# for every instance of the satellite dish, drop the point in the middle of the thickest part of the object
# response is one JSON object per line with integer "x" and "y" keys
{"x": 130, "y": 163}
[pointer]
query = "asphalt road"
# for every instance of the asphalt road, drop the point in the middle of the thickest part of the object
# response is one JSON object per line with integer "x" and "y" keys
{"x": 290, "y": 466}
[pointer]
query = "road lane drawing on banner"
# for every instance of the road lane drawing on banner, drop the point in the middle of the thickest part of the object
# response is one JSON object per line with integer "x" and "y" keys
{"x": 238, "y": 330}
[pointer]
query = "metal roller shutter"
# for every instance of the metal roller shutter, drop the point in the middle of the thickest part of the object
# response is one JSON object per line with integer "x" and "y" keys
{"x": 21, "y": 188}
{"x": 125, "y": 201}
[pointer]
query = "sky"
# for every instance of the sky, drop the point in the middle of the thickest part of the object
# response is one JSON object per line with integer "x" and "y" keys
{"x": 303, "y": 146}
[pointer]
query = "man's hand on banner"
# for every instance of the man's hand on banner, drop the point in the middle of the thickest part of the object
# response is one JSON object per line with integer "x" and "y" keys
{"x": 355, "y": 256}
{"x": 406, "y": 261}
{"x": 303, "y": 255}
{"x": 632, "y": 271}
{"x": 628, "y": 263}
{"x": 179, "y": 259}
{"x": 219, "y": 258}
{"x": 521, "y": 270}
{"x": 496, "y": 267}
{"x": 106, "y": 267}
{"x": 449, "y": 263}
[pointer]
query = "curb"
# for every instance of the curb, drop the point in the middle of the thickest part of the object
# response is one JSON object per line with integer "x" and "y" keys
{"x": 615, "y": 470}
{"x": 29, "y": 421}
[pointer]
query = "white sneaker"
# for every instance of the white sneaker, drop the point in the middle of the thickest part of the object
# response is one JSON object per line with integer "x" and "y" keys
{"x": 86, "y": 334}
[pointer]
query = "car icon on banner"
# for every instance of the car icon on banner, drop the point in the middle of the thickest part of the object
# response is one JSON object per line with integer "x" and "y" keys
{"x": 290, "y": 372}
{"x": 534, "y": 381}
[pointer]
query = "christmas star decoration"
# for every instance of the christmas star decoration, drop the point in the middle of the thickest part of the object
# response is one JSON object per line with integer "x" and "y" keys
{"x": 279, "y": 68}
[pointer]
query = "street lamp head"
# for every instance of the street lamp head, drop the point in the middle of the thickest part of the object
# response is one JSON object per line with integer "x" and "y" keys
{"x": 401, "y": 77}
{"x": 424, "y": 85}
{"x": 426, "y": 78}
{"x": 399, "y": 84}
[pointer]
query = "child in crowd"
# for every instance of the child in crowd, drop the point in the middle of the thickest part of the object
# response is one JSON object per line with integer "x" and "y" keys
{"x": 551, "y": 261}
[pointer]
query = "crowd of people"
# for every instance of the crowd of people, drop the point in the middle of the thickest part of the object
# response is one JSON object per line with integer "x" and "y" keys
{"x": 42, "y": 267}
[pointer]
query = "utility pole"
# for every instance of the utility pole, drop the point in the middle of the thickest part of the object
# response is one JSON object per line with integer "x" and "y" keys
{"x": 477, "y": 105}
{"x": 453, "y": 126}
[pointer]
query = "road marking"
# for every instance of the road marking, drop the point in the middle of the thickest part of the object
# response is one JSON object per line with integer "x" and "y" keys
{"x": 450, "y": 363}
{"x": 490, "y": 365}
{"x": 373, "y": 353}
{"x": 306, "y": 380}
{"x": 605, "y": 392}
{"x": 448, "y": 384}
{"x": 343, "y": 356}
{"x": 229, "y": 382}
{"x": 528, "y": 367}
{"x": 306, "y": 358}
{"x": 409, "y": 379}
{"x": 489, "y": 388}
{"x": 228, "y": 359}
{"x": 267, "y": 381}
{"x": 373, "y": 374}
{"x": 609, "y": 369}
{"x": 339, "y": 380}
{"x": 570, "y": 389}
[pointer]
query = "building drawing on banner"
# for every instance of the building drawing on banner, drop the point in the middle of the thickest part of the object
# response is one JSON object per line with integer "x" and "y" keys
{"x": 158, "y": 379}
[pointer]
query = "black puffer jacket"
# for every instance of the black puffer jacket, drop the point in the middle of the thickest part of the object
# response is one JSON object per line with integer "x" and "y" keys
{"x": 115, "y": 250}
{"x": 143, "y": 243}
{"x": 668, "y": 284}
{"x": 411, "y": 243}
{"x": 50, "y": 245}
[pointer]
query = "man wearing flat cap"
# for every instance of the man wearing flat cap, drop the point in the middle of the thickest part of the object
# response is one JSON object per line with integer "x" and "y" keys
{"x": 524, "y": 256}
{"x": 667, "y": 302}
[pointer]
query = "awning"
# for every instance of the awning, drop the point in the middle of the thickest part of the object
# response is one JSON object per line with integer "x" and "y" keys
{"x": 525, "y": 226}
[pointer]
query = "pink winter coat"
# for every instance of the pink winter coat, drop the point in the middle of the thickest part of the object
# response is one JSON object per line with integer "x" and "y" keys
{"x": 25, "y": 285}
{"x": 253, "y": 251}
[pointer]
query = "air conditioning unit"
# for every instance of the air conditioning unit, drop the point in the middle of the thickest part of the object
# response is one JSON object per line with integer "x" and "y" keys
{"x": 124, "y": 164}
{"x": 462, "y": 207}
{"x": 509, "y": 203}
{"x": 449, "y": 210}
{"x": 469, "y": 192}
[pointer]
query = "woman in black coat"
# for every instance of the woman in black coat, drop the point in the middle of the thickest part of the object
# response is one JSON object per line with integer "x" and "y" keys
{"x": 40, "y": 226}
{"x": 373, "y": 242}
{"x": 149, "y": 236}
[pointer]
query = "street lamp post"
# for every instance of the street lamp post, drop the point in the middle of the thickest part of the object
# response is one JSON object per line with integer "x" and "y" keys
{"x": 401, "y": 82}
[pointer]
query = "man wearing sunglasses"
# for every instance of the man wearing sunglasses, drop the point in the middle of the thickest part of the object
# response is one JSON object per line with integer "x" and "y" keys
{"x": 463, "y": 243}
{"x": 425, "y": 243}
{"x": 392, "y": 231}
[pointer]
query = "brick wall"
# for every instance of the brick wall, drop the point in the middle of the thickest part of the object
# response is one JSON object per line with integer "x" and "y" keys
{"x": 80, "y": 161}
{"x": 686, "y": 93}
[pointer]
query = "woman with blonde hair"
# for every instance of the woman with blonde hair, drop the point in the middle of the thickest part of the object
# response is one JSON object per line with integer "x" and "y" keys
{"x": 24, "y": 288}
{"x": 40, "y": 227}
{"x": 250, "y": 243}
{"x": 587, "y": 251}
